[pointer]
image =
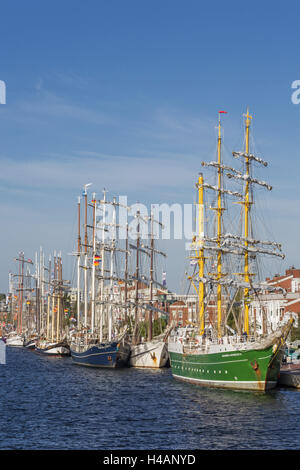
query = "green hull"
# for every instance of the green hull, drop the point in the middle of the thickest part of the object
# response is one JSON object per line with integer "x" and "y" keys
{"x": 244, "y": 369}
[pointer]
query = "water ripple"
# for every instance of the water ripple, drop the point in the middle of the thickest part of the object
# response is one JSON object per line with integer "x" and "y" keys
{"x": 49, "y": 403}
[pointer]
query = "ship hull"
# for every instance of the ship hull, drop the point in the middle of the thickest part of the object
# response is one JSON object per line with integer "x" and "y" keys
{"x": 30, "y": 345}
{"x": 244, "y": 369}
{"x": 110, "y": 355}
{"x": 54, "y": 349}
{"x": 152, "y": 354}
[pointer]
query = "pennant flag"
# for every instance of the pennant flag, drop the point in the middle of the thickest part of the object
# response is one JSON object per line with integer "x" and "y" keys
{"x": 223, "y": 112}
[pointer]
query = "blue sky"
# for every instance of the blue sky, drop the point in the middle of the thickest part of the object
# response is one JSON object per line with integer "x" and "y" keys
{"x": 126, "y": 95}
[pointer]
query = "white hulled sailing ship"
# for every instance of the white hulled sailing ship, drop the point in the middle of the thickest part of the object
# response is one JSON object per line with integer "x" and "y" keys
{"x": 151, "y": 352}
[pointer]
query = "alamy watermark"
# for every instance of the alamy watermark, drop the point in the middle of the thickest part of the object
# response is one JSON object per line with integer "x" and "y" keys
{"x": 2, "y": 92}
{"x": 296, "y": 94}
{"x": 162, "y": 221}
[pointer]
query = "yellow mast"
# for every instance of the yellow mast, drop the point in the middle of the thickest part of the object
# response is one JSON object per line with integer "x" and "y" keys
{"x": 219, "y": 232}
{"x": 201, "y": 253}
{"x": 247, "y": 204}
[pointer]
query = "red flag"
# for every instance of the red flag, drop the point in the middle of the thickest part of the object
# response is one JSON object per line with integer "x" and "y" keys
{"x": 224, "y": 112}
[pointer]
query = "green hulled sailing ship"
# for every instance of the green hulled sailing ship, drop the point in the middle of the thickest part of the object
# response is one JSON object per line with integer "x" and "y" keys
{"x": 213, "y": 353}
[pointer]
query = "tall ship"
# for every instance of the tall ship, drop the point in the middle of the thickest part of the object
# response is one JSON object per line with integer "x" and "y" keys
{"x": 51, "y": 339}
{"x": 224, "y": 349}
{"x": 147, "y": 350}
{"x": 100, "y": 339}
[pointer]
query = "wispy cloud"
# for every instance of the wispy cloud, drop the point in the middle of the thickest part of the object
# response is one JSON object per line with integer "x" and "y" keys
{"x": 71, "y": 172}
{"x": 52, "y": 105}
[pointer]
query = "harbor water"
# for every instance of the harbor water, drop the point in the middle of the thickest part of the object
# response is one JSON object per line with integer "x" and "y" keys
{"x": 50, "y": 403}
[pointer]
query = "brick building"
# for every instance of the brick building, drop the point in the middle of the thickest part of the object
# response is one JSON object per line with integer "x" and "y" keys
{"x": 272, "y": 308}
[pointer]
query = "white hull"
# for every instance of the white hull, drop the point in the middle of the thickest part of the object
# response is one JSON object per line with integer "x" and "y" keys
{"x": 52, "y": 350}
{"x": 61, "y": 351}
{"x": 152, "y": 354}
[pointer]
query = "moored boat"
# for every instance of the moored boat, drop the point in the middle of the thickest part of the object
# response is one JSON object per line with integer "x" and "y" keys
{"x": 112, "y": 354}
{"x": 212, "y": 353}
{"x": 30, "y": 344}
{"x": 151, "y": 354}
{"x": 15, "y": 340}
{"x": 236, "y": 363}
{"x": 53, "y": 349}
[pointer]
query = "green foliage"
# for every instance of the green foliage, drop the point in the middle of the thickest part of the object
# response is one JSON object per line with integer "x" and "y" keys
{"x": 158, "y": 326}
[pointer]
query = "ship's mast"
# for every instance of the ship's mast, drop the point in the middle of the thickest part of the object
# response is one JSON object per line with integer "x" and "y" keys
{"x": 102, "y": 267}
{"x": 85, "y": 259}
{"x": 94, "y": 264}
{"x": 137, "y": 272}
{"x": 151, "y": 279}
{"x": 201, "y": 253}
{"x": 78, "y": 262}
{"x": 219, "y": 232}
{"x": 111, "y": 291}
{"x": 247, "y": 205}
{"x": 126, "y": 275}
